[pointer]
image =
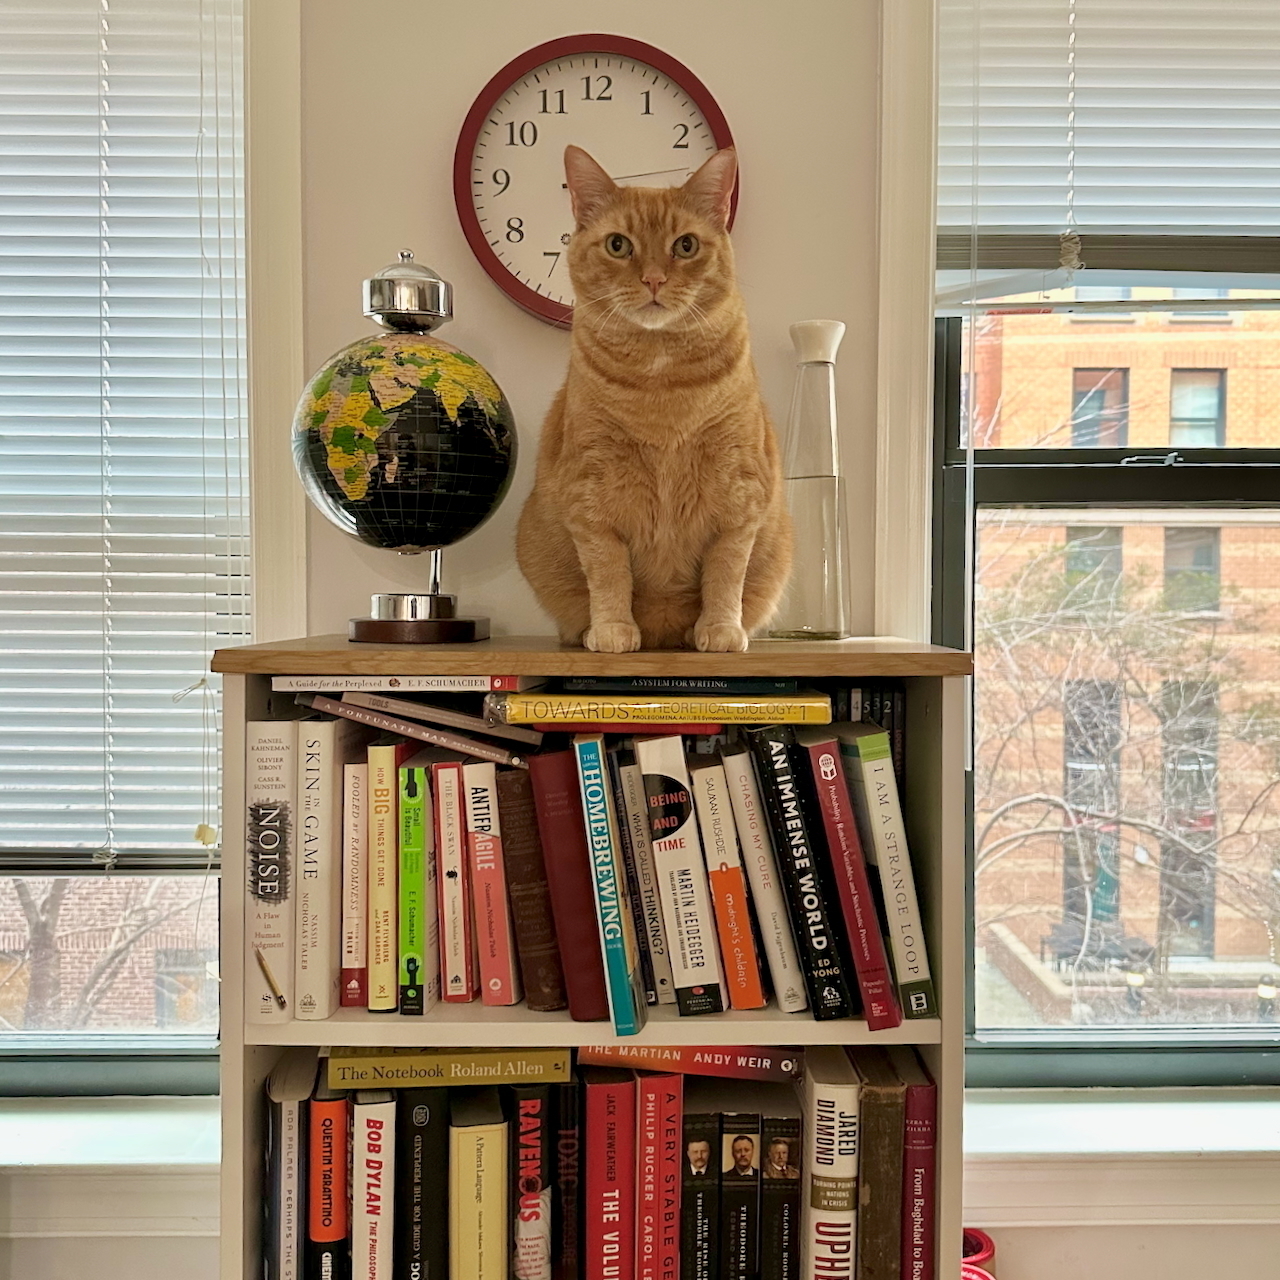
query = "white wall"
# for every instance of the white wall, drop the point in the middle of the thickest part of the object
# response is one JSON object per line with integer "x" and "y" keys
{"x": 385, "y": 89}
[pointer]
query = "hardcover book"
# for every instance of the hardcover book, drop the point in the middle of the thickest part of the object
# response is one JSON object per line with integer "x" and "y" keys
{"x": 829, "y": 1172}
{"x": 270, "y": 832}
{"x": 622, "y": 710}
{"x": 328, "y": 1254}
{"x": 404, "y": 684}
{"x": 541, "y": 972}
{"x": 421, "y": 1244}
{"x": 682, "y": 877}
{"x": 866, "y": 751}
{"x": 810, "y": 911}
{"x": 354, "y": 972}
{"x": 419, "y": 956}
{"x": 631, "y": 871}
{"x": 777, "y": 939}
{"x": 820, "y": 751}
{"x": 609, "y": 1216}
{"x": 920, "y": 1162}
{"x": 288, "y": 1087}
{"x": 613, "y": 913}
{"x": 570, "y": 881}
{"x": 385, "y": 759}
{"x": 479, "y": 1242}
{"x": 881, "y": 1129}
{"x": 566, "y": 1203}
{"x": 728, "y": 883}
{"x": 490, "y": 903}
{"x": 734, "y": 1061}
{"x": 700, "y": 1197}
{"x": 658, "y": 1107}
{"x": 756, "y": 685}
{"x": 354, "y": 1068}
{"x": 739, "y": 1196}
{"x": 532, "y": 1180}
{"x": 373, "y": 1181}
{"x": 453, "y": 882}
{"x": 407, "y": 709}
{"x": 780, "y": 1164}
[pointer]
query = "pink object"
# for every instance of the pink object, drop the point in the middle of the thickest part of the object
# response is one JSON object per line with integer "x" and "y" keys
{"x": 970, "y": 1272}
{"x": 978, "y": 1248}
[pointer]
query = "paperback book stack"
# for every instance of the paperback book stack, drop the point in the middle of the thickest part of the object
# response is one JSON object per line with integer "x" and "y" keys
{"x": 703, "y": 844}
{"x": 646, "y": 1163}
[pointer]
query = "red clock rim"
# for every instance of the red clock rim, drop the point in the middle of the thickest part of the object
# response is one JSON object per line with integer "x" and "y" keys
{"x": 617, "y": 46}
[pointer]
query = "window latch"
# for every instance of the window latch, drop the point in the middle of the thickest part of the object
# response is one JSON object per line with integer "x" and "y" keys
{"x": 1153, "y": 460}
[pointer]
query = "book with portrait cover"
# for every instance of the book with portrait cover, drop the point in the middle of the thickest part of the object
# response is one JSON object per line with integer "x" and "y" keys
{"x": 700, "y": 1195}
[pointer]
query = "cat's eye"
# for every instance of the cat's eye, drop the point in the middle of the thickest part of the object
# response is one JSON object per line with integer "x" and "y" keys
{"x": 617, "y": 246}
{"x": 685, "y": 247}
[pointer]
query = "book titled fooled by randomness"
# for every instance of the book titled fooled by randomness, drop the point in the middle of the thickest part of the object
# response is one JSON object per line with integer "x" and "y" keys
{"x": 638, "y": 708}
{"x": 357, "y": 1068}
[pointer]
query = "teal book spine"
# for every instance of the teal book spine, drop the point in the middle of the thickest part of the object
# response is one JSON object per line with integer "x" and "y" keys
{"x": 623, "y": 982}
{"x": 413, "y": 888}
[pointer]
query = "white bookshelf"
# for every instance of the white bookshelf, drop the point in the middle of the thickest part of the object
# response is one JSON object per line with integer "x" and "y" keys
{"x": 935, "y": 826}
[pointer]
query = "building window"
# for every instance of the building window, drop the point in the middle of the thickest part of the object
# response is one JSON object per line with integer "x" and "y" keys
{"x": 1100, "y": 408}
{"x": 1094, "y": 557}
{"x": 1198, "y": 408}
{"x": 1192, "y": 569}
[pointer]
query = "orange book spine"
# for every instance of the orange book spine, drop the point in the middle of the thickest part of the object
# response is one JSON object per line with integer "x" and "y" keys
{"x": 328, "y": 1225}
{"x": 728, "y": 881}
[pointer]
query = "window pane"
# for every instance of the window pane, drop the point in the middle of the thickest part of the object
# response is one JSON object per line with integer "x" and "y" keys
{"x": 98, "y": 954}
{"x": 1042, "y": 381}
{"x": 1127, "y": 743}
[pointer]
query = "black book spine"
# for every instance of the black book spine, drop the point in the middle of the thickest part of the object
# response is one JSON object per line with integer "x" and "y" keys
{"x": 566, "y": 1203}
{"x": 826, "y": 977}
{"x": 616, "y": 761}
{"x": 421, "y": 1243}
{"x": 700, "y": 1199}
{"x": 740, "y": 1197}
{"x": 780, "y": 1198}
{"x": 533, "y": 1173}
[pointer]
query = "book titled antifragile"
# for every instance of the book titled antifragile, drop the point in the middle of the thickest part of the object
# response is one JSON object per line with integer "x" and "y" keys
{"x": 400, "y": 1069}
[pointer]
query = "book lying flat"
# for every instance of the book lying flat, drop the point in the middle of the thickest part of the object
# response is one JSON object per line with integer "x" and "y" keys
{"x": 404, "y": 684}
{"x": 625, "y": 710}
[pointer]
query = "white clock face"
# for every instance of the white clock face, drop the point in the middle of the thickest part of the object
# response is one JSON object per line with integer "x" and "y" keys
{"x": 641, "y": 127}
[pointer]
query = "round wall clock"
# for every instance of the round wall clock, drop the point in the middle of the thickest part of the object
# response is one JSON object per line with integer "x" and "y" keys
{"x": 646, "y": 118}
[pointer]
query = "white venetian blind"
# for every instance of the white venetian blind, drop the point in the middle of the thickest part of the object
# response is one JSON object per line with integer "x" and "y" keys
{"x": 1141, "y": 115}
{"x": 123, "y": 494}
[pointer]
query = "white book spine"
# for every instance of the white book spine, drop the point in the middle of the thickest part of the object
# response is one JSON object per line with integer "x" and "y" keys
{"x": 318, "y": 912}
{"x": 355, "y": 870}
{"x": 829, "y": 1188}
{"x": 270, "y": 835}
{"x": 637, "y": 821}
{"x": 373, "y": 1180}
{"x": 289, "y": 1193}
{"x": 761, "y": 862}
{"x": 682, "y": 876}
{"x": 457, "y": 972}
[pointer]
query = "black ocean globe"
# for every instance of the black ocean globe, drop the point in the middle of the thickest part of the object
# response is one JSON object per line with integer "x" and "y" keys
{"x": 404, "y": 442}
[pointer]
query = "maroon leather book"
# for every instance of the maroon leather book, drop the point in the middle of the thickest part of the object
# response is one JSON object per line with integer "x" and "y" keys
{"x": 535, "y": 930}
{"x": 919, "y": 1165}
{"x": 569, "y": 879}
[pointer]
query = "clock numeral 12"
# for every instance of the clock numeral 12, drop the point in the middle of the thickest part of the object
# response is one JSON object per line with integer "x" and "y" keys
{"x": 602, "y": 93}
{"x": 545, "y": 110}
{"x": 526, "y": 137}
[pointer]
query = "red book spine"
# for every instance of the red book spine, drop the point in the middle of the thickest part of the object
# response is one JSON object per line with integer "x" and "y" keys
{"x": 849, "y": 867}
{"x": 919, "y": 1182}
{"x": 609, "y": 1217}
{"x": 327, "y": 1220}
{"x": 558, "y": 803}
{"x": 733, "y": 1061}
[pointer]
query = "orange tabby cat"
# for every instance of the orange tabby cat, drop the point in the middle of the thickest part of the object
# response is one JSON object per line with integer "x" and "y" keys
{"x": 657, "y": 516}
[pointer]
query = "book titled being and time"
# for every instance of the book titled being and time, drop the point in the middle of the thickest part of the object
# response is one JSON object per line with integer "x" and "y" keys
{"x": 602, "y": 846}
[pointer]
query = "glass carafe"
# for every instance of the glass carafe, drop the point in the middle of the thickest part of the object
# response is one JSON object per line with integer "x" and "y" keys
{"x": 814, "y": 606}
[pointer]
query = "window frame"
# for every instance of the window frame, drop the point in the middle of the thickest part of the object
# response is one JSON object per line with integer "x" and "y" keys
{"x": 1076, "y": 479}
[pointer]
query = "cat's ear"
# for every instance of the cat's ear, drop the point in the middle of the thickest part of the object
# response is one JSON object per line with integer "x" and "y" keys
{"x": 710, "y": 190}
{"x": 590, "y": 188}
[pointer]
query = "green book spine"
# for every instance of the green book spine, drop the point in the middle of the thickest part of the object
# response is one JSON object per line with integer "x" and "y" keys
{"x": 414, "y": 816}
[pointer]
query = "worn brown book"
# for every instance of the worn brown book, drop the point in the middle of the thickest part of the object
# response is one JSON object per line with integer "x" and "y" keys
{"x": 535, "y": 930}
{"x": 881, "y": 1125}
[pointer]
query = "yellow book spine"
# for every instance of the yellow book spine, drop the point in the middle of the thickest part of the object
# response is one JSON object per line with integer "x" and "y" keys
{"x": 626, "y": 709}
{"x": 478, "y": 1227}
{"x": 351, "y": 1068}
{"x": 384, "y": 856}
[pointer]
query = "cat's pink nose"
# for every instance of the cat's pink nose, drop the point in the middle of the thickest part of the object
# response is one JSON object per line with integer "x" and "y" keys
{"x": 655, "y": 282}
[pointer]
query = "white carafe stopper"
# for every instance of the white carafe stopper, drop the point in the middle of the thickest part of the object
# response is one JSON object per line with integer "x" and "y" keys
{"x": 817, "y": 341}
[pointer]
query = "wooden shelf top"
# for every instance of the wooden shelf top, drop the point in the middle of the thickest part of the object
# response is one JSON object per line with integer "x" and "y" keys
{"x": 545, "y": 656}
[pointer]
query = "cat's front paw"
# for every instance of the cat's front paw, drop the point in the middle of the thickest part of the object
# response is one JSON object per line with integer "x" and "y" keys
{"x": 719, "y": 637}
{"x": 612, "y": 637}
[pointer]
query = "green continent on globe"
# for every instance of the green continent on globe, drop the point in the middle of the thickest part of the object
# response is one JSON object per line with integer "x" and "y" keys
{"x": 358, "y": 394}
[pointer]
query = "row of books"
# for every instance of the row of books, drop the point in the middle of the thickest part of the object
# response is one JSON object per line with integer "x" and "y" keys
{"x": 402, "y": 852}
{"x": 810, "y": 1164}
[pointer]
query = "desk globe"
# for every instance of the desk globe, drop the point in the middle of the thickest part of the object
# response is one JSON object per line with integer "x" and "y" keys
{"x": 406, "y": 443}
